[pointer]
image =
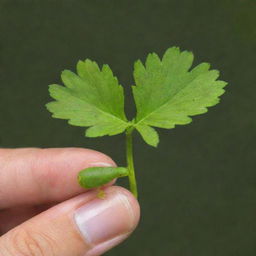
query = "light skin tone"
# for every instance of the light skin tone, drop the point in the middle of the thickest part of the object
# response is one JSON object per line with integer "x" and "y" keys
{"x": 44, "y": 212}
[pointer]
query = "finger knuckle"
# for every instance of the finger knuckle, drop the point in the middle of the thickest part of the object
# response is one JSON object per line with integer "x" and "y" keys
{"x": 26, "y": 242}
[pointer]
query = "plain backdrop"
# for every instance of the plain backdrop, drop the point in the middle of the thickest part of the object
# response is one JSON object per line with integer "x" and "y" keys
{"x": 198, "y": 188}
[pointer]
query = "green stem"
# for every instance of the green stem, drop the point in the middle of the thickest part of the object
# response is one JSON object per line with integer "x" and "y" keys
{"x": 130, "y": 165}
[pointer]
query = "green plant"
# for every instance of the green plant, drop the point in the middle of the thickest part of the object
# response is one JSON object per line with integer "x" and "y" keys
{"x": 167, "y": 93}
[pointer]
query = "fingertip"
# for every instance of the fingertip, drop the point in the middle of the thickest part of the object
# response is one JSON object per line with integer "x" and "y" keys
{"x": 37, "y": 176}
{"x": 104, "y": 223}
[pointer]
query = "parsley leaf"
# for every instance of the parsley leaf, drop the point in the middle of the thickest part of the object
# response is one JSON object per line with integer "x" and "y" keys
{"x": 167, "y": 92}
{"x": 93, "y": 98}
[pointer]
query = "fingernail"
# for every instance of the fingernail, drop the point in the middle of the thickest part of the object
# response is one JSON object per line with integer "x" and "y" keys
{"x": 106, "y": 221}
{"x": 103, "y": 164}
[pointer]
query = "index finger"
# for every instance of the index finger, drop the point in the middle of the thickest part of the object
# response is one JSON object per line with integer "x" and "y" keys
{"x": 32, "y": 176}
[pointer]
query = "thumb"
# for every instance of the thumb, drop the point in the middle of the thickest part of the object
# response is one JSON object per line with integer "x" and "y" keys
{"x": 84, "y": 225}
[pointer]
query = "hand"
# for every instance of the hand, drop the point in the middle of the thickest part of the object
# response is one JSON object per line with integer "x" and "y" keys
{"x": 44, "y": 212}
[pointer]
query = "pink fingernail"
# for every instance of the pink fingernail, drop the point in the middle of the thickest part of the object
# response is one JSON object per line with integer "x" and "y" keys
{"x": 104, "y": 221}
{"x": 103, "y": 164}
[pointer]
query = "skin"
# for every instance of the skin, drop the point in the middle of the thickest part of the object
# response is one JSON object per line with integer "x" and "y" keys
{"x": 39, "y": 196}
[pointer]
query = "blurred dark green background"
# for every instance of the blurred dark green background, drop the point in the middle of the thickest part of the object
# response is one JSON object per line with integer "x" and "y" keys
{"x": 198, "y": 189}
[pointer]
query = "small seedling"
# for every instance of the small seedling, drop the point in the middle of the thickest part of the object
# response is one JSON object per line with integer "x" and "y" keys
{"x": 167, "y": 92}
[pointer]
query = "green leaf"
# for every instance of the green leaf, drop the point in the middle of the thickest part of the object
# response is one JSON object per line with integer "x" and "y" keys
{"x": 149, "y": 134}
{"x": 94, "y": 177}
{"x": 167, "y": 92}
{"x": 93, "y": 98}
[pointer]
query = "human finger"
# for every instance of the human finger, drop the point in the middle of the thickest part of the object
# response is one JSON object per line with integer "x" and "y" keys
{"x": 33, "y": 176}
{"x": 82, "y": 226}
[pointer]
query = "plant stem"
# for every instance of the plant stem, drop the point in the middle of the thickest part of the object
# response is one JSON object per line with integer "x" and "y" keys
{"x": 130, "y": 165}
